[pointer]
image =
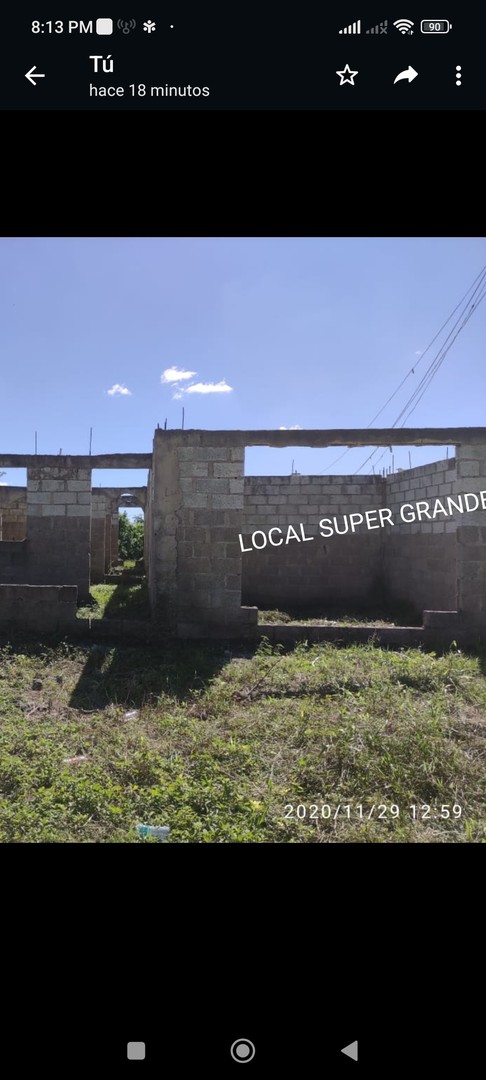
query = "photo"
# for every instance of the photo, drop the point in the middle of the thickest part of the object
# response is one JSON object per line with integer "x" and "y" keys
{"x": 243, "y": 540}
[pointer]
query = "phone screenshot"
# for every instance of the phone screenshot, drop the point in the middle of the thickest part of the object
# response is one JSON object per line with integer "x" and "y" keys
{"x": 242, "y": 536}
{"x": 243, "y": 58}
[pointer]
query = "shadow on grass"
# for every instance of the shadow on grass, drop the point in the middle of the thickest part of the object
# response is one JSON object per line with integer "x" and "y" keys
{"x": 126, "y": 600}
{"x": 137, "y": 676}
{"x": 481, "y": 654}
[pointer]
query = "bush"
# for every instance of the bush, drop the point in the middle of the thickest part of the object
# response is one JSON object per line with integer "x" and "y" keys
{"x": 130, "y": 542}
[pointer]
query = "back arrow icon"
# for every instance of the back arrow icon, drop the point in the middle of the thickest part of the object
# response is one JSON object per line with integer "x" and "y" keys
{"x": 38, "y": 75}
{"x": 409, "y": 74}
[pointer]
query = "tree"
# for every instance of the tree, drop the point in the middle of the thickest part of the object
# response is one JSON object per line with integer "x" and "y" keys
{"x": 130, "y": 537}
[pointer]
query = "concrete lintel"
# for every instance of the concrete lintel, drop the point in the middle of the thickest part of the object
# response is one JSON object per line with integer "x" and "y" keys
{"x": 333, "y": 437}
{"x": 76, "y": 461}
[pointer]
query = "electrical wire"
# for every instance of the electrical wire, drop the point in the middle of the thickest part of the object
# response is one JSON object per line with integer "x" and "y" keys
{"x": 432, "y": 370}
{"x": 482, "y": 276}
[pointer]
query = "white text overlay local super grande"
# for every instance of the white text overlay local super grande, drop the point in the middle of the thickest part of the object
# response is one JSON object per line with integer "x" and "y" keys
{"x": 371, "y": 519}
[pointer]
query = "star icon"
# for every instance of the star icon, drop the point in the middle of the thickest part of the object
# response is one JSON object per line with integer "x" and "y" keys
{"x": 346, "y": 75}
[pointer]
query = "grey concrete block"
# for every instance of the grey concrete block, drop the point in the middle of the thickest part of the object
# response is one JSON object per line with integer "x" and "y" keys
{"x": 212, "y": 485}
{"x": 193, "y": 468}
{"x": 53, "y": 485}
{"x": 77, "y": 511}
{"x": 224, "y": 502}
{"x": 208, "y": 453}
{"x": 54, "y": 511}
{"x": 62, "y": 498}
{"x": 222, "y": 468}
{"x": 199, "y": 501}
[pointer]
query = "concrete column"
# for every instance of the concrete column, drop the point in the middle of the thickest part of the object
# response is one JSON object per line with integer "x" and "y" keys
{"x": 147, "y": 526}
{"x": 107, "y": 542}
{"x": 196, "y": 518}
{"x": 471, "y": 536}
{"x": 115, "y": 521}
{"x": 98, "y": 514}
{"x": 58, "y": 526}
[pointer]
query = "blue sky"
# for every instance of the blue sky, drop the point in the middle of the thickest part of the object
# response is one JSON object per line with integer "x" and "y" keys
{"x": 312, "y": 332}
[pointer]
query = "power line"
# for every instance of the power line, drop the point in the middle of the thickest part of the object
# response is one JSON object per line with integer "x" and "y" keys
{"x": 432, "y": 369}
{"x": 481, "y": 275}
{"x": 436, "y": 363}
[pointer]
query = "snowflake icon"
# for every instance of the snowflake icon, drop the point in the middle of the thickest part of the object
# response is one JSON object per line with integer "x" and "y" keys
{"x": 149, "y": 26}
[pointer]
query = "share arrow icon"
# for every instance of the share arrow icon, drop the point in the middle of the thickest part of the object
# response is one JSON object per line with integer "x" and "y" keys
{"x": 409, "y": 74}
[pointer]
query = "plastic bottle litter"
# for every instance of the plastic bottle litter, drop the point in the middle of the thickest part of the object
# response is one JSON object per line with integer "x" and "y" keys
{"x": 131, "y": 715}
{"x": 161, "y": 832}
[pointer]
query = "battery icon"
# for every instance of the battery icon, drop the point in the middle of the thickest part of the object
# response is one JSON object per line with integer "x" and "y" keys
{"x": 435, "y": 26}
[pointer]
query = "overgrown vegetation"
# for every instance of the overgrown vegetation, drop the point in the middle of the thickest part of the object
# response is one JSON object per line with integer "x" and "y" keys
{"x": 130, "y": 536}
{"x": 276, "y": 616}
{"x": 117, "y": 602}
{"x": 403, "y": 616}
{"x": 218, "y": 744}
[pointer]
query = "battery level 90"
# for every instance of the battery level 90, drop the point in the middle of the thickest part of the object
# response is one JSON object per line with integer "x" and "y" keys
{"x": 435, "y": 26}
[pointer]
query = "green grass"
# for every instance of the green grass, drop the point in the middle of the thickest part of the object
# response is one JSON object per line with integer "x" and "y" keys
{"x": 276, "y": 616}
{"x": 223, "y": 742}
{"x": 117, "y": 602}
{"x": 127, "y": 564}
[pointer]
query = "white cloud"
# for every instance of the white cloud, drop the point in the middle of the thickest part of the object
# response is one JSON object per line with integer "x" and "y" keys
{"x": 118, "y": 389}
{"x": 293, "y": 427}
{"x": 176, "y": 397}
{"x": 418, "y": 352}
{"x": 209, "y": 388}
{"x": 174, "y": 375}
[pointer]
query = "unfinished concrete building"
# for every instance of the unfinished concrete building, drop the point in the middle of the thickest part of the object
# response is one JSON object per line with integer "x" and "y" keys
{"x": 58, "y": 535}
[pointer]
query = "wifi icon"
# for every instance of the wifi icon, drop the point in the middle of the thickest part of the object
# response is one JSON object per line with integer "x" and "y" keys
{"x": 404, "y": 26}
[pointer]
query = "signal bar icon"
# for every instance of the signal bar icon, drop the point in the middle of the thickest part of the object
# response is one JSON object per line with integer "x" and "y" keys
{"x": 353, "y": 28}
{"x": 380, "y": 28}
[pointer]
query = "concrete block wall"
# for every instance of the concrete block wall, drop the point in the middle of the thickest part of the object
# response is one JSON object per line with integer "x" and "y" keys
{"x": 58, "y": 526}
{"x": 420, "y": 557}
{"x": 199, "y": 502}
{"x": 13, "y": 512}
{"x": 471, "y": 536}
{"x": 13, "y": 561}
{"x": 327, "y": 572}
{"x": 195, "y": 577}
{"x": 427, "y": 482}
{"x": 37, "y": 608}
